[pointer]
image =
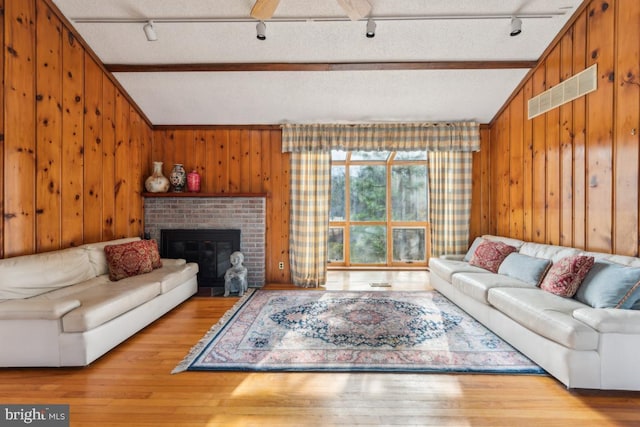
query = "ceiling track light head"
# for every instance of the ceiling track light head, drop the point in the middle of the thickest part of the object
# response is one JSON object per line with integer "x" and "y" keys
{"x": 516, "y": 26}
{"x": 150, "y": 32}
{"x": 261, "y": 31}
{"x": 371, "y": 28}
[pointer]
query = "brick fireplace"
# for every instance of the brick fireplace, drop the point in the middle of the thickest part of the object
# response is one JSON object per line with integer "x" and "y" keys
{"x": 202, "y": 212}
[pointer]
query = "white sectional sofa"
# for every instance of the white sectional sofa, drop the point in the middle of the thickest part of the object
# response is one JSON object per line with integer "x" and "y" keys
{"x": 60, "y": 308}
{"x": 581, "y": 346}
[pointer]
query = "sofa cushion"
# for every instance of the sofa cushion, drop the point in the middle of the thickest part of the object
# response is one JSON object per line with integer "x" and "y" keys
{"x": 30, "y": 275}
{"x": 524, "y": 267}
{"x": 610, "y": 286}
{"x": 566, "y": 275}
{"x": 100, "y": 304}
{"x": 545, "y": 314}
{"x": 489, "y": 255}
{"x": 172, "y": 276}
{"x": 477, "y": 285}
{"x": 98, "y": 258}
{"x": 446, "y": 268}
{"x": 128, "y": 259}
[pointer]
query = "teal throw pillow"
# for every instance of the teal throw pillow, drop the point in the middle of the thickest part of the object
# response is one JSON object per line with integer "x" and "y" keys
{"x": 529, "y": 269}
{"x": 610, "y": 285}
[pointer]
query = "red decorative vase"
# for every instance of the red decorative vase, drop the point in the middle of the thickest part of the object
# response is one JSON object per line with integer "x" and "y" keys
{"x": 193, "y": 181}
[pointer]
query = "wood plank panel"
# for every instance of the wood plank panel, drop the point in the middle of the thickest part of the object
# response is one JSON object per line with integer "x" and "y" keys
{"x": 108, "y": 158}
{"x": 2, "y": 131}
{"x": 516, "y": 167}
{"x": 245, "y": 161}
{"x": 93, "y": 177}
{"x": 255, "y": 154}
{"x": 486, "y": 217}
{"x": 135, "y": 180}
{"x": 476, "y": 188}
{"x": 539, "y": 173}
{"x": 200, "y": 153}
{"x": 552, "y": 147}
{"x": 579, "y": 138}
{"x": 20, "y": 125}
{"x": 527, "y": 166}
{"x": 566, "y": 146}
{"x": 210, "y": 176}
{"x": 600, "y": 45}
{"x": 271, "y": 242}
{"x": 235, "y": 160}
{"x": 72, "y": 140}
{"x": 279, "y": 199}
{"x": 121, "y": 185}
{"x": 627, "y": 132}
{"x": 221, "y": 149}
{"x": 502, "y": 165}
{"x": 48, "y": 129}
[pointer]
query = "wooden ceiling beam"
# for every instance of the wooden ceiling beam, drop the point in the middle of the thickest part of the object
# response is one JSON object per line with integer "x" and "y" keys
{"x": 320, "y": 66}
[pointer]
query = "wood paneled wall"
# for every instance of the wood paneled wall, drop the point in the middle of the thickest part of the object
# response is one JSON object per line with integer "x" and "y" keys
{"x": 570, "y": 176}
{"x": 237, "y": 160}
{"x": 74, "y": 147}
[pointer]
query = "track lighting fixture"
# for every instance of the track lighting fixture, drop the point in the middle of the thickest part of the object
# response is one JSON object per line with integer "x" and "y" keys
{"x": 150, "y": 32}
{"x": 516, "y": 26}
{"x": 261, "y": 31}
{"x": 371, "y": 28}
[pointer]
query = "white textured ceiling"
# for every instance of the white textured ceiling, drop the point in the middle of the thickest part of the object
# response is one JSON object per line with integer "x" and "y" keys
{"x": 271, "y": 97}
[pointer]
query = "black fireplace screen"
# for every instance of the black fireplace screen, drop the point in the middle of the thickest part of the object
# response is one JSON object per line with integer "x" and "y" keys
{"x": 210, "y": 249}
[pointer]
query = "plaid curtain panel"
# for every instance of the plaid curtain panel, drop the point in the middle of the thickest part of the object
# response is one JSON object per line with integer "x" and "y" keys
{"x": 310, "y": 204}
{"x": 449, "y": 201}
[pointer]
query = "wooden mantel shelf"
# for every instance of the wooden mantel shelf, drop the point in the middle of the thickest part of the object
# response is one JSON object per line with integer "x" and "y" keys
{"x": 188, "y": 194}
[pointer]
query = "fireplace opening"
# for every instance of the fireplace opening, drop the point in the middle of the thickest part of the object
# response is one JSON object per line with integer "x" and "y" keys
{"x": 209, "y": 248}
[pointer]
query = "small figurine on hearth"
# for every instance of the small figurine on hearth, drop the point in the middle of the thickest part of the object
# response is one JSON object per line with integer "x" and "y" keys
{"x": 235, "y": 279}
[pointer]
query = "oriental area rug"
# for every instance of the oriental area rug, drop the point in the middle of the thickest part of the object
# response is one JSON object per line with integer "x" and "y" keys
{"x": 344, "y": 331}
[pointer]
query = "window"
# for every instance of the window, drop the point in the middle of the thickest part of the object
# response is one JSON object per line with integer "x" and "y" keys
{"x": 379, "y": 209}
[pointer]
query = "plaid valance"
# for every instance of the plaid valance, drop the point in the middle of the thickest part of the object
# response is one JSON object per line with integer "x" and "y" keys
{"x": 455, "y": 136}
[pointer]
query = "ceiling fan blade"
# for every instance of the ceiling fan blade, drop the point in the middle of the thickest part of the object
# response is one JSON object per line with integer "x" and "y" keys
{"x": 355, "y": 9}
{"x": 264, "y": 9}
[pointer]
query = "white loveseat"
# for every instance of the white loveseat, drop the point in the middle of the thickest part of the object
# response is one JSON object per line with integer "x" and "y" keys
{"x": 581, "y": 346}
{"x": 60, "y": 308}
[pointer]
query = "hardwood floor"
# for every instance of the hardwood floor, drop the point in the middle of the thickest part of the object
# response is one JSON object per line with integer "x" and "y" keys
{"x": 132, "y": 385}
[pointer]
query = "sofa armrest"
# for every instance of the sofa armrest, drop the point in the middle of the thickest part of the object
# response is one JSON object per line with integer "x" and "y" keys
{"x": 452, "y": 257}
{"x": 21, "y": 309}
{"x": 610, "y": 319}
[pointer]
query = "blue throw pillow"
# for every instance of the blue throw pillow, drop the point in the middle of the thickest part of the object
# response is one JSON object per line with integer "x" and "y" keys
{"x": 472, "y": 248}
{"x": 610, "y": 285}
{"x": 529, "y": 269}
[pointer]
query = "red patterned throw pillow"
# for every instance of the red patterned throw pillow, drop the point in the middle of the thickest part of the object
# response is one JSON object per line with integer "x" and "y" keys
{"x": 489, "y": 255}
{"x": 152, "y": 247}
{"x": 566, "y": 275}
{"x": 128, "y": 259}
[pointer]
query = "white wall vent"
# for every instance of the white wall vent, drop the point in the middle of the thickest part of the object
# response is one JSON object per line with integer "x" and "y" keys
{"x": 574, "y": 87}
